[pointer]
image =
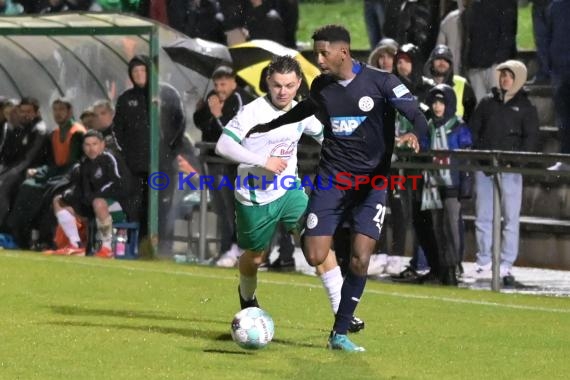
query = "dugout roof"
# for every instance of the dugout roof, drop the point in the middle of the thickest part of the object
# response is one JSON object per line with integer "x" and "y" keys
{"x": 84, "y": 56}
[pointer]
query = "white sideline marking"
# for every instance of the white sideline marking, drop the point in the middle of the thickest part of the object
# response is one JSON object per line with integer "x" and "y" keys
{"x": 302, "y": 284}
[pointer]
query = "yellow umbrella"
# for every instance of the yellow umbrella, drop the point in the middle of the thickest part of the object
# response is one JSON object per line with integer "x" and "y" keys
{"x": 250, "y": 58}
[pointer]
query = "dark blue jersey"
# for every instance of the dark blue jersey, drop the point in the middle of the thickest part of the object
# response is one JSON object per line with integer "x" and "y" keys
{"x": 358, "y": 119}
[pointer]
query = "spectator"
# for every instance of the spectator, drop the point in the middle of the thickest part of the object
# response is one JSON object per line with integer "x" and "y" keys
{"x": 6, "y": 106}
{"x": 540, "y": 25}
{"x": 451, "y": 35}
{"x": 34, "y": 196}
{"x": 559, "y": 65}
{"x": 197, "y": 19}
{"x": 24, "y": 147}
{"x": 374, "y": 15}
{"x": 490, "y": 37}
{"x": 87, "y": 118}
{"x": 383, "y": 55}
{"x": 412, "y": 21}
{"x": 439, "y": 67}
{"x": 503, "y": 120}
{"x": 55, "y": 6}
{"x": 104, "y": 115}
{"x": 409, "y": 70}
{"x": 10, "y": 8}
{"x": 104, "y": 184}
{"x": 233, "y": 21}
{"x": 289, "y": 12}
{"x": 131, "y": 125}
{"x": 221, "y": 105}
{"x": 447, "y": 132}
{"x": 263, "y": 21}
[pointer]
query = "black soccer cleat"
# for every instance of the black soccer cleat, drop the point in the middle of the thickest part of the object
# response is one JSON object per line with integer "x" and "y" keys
{"x": 356, "y": 324}
{"x": 247, "y": 303}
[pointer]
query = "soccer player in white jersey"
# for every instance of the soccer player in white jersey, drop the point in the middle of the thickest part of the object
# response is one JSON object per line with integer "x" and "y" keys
{"x": 268, "y": 166}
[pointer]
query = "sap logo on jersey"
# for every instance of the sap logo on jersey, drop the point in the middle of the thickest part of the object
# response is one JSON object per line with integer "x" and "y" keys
{"x": 345, "y": 125}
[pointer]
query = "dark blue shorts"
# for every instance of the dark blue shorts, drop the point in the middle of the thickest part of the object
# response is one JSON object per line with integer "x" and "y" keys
{"x": 362, "y": 209}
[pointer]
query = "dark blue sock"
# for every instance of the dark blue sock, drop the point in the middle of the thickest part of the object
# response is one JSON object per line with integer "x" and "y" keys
{"x": 352, "y": 289}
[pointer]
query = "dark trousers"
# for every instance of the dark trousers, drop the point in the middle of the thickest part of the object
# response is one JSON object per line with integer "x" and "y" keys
{"x": 224, "y": 204}
{"x": 447, "y": 223}
{"x": 400, "y": 217}
{"x": 562, "y": 108}
{"x": 285, "y": 242}
{"x": 425, "y": 234}
{"x": 540, "y": 30}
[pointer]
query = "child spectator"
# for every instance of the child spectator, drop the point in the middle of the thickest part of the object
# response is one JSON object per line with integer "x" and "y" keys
{"x": 447, "y": 132}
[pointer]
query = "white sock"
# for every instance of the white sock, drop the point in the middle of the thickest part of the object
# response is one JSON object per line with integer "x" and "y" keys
{"x": 247, "y": 286}
{"x": 67, "y": 222}
{"x": 105, "y": 229}
{"x": 332, "y": 281}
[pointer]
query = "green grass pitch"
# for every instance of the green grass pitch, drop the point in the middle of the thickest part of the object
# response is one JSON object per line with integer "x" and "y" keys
{"x": 84, "y": 318}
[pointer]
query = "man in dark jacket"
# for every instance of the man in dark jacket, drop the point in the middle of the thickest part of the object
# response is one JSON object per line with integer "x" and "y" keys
{"x": 35, "y": 194}
{"x": 132, "y": 131}
{"x": 504, "y": 120}
{"x": 24, "y": 146}
{"x": 221, "y": 105}
{"x": 102, "y": 184}
{"x": 490, "y": 37}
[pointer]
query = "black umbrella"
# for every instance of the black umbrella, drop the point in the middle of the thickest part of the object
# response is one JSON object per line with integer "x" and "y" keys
{"x": 199, "y": 55}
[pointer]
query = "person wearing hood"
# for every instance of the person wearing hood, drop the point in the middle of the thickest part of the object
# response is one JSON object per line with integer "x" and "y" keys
{"x": 504, "y": 120}
{"x": 409, "y": 70}
{"x": 384, "y": 55}
{"x": 439, "y": 67}
{"x": 131, "y": 126}
{"x": 446, "y": 132}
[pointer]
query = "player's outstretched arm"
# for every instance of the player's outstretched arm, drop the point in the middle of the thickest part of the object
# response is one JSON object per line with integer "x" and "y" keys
{"x": 301, "y": 111}
{"x": 228, "y": 148}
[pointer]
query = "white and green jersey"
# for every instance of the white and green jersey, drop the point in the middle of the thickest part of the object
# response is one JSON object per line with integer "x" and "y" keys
{"x": 254, "y": 184}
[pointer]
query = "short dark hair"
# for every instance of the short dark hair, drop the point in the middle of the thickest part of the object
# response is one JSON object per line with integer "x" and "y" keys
{"x": 87, "y": 113}
{"x": 332, "y": 33}
{"x": 223, "y": 71}
{"x": 284, "y": 64}
{"x": 66, "y": 102}
{"x": 93, "y": 133}
{"x": 28, "y": 100}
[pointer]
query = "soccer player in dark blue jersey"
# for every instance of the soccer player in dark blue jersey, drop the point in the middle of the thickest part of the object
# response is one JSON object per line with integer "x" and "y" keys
{"x": 356, "y": 104}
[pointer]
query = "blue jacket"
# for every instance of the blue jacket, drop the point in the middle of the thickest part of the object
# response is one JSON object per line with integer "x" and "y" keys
{"x": 458, "y": 134}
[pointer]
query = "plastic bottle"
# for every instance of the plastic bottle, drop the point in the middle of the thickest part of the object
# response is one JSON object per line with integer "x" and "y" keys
{"x": 121, "y": 242}
{"x": 35, "y": 240}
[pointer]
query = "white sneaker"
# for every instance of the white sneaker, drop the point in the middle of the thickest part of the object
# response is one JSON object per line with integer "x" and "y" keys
{"x": 505, "y": 271}
{"x": 480, "y": 272}
{"x": 394, "y": 265}
{"x": 559, "y": 166}
{"x": 230, "y": 258}
{"x": 377, "y": 264}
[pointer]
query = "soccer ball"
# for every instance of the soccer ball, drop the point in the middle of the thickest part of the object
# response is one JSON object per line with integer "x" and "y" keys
{"x": 252, "y": 328}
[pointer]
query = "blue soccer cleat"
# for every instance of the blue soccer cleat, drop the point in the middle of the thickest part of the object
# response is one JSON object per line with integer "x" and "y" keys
{"x": 341, "y": 342}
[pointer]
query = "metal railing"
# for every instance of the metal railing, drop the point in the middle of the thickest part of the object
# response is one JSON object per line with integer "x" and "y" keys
{"x": 489, "y": 161}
